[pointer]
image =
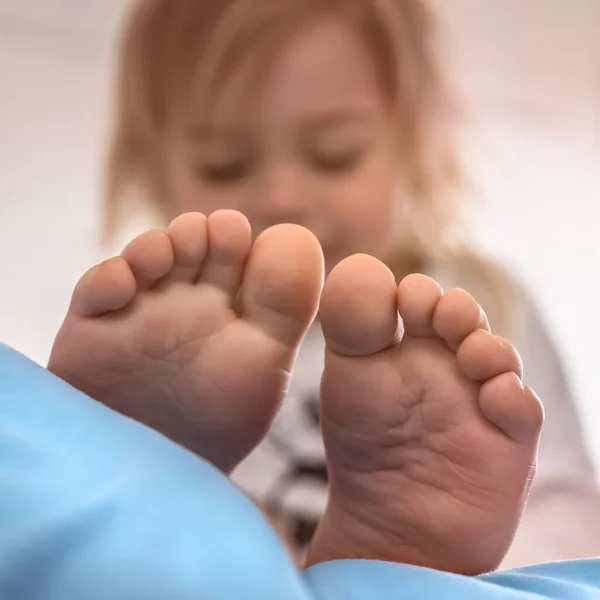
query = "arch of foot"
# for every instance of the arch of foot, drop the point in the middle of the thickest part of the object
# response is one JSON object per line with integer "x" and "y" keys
{"x": 96, "y": 506}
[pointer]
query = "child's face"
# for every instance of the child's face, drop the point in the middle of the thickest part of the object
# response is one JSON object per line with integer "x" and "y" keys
{"x": 317, "y": 148}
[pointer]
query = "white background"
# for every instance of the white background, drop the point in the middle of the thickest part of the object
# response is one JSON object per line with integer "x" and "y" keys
{"x": 530, "y": 70}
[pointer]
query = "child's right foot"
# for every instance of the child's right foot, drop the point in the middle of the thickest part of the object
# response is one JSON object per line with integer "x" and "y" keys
{"x": 154, "y": 334}
{"x": 431, "y": 438}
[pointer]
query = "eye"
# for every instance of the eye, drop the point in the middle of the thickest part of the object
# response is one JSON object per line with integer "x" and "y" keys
{"x": 226, "y": 172}
{"x": 335, "y": 162}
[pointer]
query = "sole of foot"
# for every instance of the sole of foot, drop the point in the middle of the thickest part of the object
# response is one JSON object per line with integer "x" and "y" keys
{"x": 431, "y": 437}
{"x": 194, "y": 330}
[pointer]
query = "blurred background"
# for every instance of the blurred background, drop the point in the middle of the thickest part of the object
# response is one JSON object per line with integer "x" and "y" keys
{"x": 529, "y": 71}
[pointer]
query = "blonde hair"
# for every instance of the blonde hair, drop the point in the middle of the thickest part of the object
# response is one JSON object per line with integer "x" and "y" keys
{"x": 174, "y": 48}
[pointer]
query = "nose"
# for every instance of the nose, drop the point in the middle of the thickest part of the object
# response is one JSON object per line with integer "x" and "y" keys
{"x": 282, "y": 195}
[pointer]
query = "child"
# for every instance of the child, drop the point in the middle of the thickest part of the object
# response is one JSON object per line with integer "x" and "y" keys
{"x": 331, "y": 115}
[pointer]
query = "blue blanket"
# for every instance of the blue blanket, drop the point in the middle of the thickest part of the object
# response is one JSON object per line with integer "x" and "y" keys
{"x": 94, "y": 506}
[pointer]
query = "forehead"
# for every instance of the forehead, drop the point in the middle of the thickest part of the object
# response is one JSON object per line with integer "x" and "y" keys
{"x": 325, "y": 64}
{"x": 323, "y": 69}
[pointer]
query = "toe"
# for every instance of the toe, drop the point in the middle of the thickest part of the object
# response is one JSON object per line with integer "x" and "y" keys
{"x": 512, "y": 407}
{"x": 418, "y": 297}
{"x": 150, "y": 257}
{"x": 229, "y": 241}
{"x": 282, "y": 283}
{"x": 106, "y": 287}
{"x": 482, "y": 356}
{"x": 189, "y": 238}
{"x": 358, "y": 311}
{"x": 456, "y": 316}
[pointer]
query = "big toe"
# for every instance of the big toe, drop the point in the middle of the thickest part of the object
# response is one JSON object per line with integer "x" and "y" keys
{"x": 282, "y": 282}
{"x": 358, "y": 309}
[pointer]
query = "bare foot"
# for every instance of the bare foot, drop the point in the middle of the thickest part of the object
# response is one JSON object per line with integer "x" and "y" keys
{"x": 431, "y": 437}
{"x": 194, "y": 331}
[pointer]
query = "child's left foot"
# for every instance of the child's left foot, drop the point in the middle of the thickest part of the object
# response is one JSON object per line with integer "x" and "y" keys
{"x": 431, "y": 438}
{"x": 194, "y": 331}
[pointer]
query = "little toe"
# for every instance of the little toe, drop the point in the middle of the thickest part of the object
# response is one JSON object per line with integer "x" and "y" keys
{"x": 229, "y": 242}
{"x": 282, "y": 283}
{"x": 418, "y": 297}
{"x": 358, "y": 311}
{"x": 189, "y": 238}
{"x": 482, "y": 356}
{"x": 109, "y": 286}
{"x": 512, "y": 407}
{"x": 150, "y": 257}
{"x": 456, "y": 316}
